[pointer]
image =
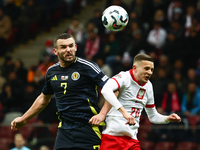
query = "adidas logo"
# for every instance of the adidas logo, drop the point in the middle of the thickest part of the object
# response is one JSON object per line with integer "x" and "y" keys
{"x": 54, "y": 78}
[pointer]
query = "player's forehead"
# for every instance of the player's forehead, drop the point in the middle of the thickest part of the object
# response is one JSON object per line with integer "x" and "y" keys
{"x": 66, "y": 42}
{"x": 146, "y": 63}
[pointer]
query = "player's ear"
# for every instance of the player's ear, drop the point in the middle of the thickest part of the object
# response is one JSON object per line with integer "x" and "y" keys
{"x": 55, "y": 51}
{"x": 134, "y": 67}
{"x": 75, "y": 47}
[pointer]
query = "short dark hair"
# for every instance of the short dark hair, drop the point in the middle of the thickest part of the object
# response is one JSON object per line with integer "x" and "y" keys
{"x": 140, "y": 57}
{"x": 62, "y": 36}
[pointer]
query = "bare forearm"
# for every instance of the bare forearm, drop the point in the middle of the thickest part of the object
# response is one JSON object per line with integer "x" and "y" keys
{"x": 106, "y": 108}
{"x": 39, "y": 104}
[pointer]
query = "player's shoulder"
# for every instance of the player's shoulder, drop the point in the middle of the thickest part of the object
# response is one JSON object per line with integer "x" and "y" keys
{"x": 122, "y": 74}
{"x": 88, "y": 64}
{"x": 53, "y": 67}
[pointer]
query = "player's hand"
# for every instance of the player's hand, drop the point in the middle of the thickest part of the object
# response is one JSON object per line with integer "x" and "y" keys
{"x": 97, "y": 119}
{"x": 174, "y": 118}
{"x": 17, "y": 123}
{"x": 130, "y": 119}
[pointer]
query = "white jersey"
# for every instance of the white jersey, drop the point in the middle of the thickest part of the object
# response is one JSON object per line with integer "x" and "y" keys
{"x": 134, "y": 97}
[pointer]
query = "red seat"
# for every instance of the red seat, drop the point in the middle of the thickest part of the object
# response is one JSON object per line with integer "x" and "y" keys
{"x": 6, "y": 132}
{"x": 198, "y": 147}
{"x": 186, "y": 146}
{"x": 4, "y": 143}
{"x": 193, "y": 120}
{"x": 147, "y": 145}
{"x": 164, "y": 146}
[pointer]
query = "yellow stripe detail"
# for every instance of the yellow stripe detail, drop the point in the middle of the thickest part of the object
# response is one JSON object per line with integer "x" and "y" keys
{"x": 96, "y": 130}
{"x": 60, "y": 123}
{"x": 75, "y": 59}
{"x": 95, "y": 113}
{"x": 96, "y": 89}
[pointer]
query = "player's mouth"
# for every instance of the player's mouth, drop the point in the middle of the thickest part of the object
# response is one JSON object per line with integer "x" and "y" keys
{"x": 69, "y": 56}
{"x": 146, "y": 77}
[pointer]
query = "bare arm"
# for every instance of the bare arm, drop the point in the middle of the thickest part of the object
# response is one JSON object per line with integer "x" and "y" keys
{"x": 97, "y": 119}
{"x": 39, "y": 104}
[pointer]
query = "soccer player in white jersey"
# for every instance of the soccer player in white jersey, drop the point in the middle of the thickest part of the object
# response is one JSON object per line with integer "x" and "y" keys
{"x": 135, "y": 92}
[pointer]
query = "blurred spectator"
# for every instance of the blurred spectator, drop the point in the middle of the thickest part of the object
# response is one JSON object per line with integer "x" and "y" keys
{"x": 44, "y": 147}
{"x": 138, "y": 44}
{"x": 12, "y": 10}
{"x": 174, "y": 6}
{"x": 45, "y": 65}
{"x": 190, "y": 104}
{"x": 31, "y": 73}
{"x": 16, "y": 83}
{"x": 192, "y": 77}
{"x": 5, "y": 31}
{"x": 160, "y": 17}
{"x": 39, "y": 136}
{"x": 47, "y": 51}
{"x": 157, "y": 37}
{"x": 140, "y": 8}
{"x": 178, "y": 66}
{"x": 180, "y": 81}
{"x": 178, "y": 15}
{"x": 173, "y": 45}
{"x": 30, "y": 15}
{"x": 171, "y": 102}
{"x": 7, "y": 99}
{"x": 134, "y": 18}
{"x": 188, "y": 19}
{"x": 112, "y": 54}
{"x": 76, "y": 29}
{"x": 163, "y": 63}
{"x": 20, "y": 70}
{"x": 38, "y": 79}
{"x": 160, "y": 86}
{"x": 104, "y": 67}
{"x": 29, "y": 95}
{"x": 20, "y": 142}
{"x": 93, "y": 45}
{"x": 127, "y": 62}
{"x": 96, "y": 19}
{"x": 7, "y": 67}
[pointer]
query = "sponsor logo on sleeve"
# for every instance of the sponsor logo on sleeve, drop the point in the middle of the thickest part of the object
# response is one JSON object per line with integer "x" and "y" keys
{"x": 104, "y": 78}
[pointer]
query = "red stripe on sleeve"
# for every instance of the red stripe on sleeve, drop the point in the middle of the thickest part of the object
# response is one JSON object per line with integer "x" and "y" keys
{"x": 117, "y": 83}
{"x": 150, "y": 106}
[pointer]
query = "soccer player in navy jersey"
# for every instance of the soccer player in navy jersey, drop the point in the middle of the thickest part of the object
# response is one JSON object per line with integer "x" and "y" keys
{"x": 73, "y": 81}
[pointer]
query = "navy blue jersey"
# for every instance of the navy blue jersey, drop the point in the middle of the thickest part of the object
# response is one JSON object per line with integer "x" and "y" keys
{"x": 75, "y": 91}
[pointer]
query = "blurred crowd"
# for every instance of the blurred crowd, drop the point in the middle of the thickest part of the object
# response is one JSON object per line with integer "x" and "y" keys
{"x": 167, "y": 30}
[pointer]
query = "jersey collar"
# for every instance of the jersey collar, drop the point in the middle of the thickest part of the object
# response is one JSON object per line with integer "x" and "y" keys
{"x": 131, "y": 73}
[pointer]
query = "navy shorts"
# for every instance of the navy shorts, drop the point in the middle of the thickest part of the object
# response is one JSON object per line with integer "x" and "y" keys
{"x": 87, "y": 137}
